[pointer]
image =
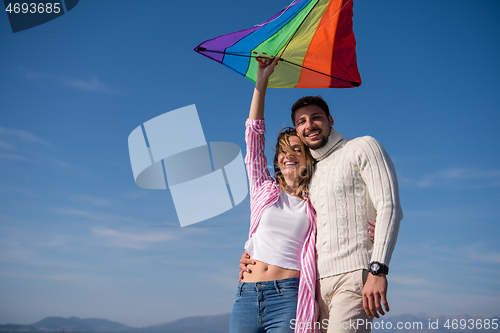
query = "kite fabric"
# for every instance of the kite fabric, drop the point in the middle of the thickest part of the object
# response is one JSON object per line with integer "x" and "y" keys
{"x": 313, "y": 38}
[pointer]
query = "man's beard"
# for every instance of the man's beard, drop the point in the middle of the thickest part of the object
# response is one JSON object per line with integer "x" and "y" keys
{"x": 317, "y": 145}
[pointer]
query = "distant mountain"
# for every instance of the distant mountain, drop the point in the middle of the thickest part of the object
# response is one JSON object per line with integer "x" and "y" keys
{"x": 421, "y": 323}
{"x": 205, "y": 324}
{"x": 71, "y": 324}
{"x": 200, "y": 324}
{"x": 18, "y": 328}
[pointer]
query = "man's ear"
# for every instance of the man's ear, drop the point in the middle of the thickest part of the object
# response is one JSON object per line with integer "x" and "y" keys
{"x": 330, "y": 120}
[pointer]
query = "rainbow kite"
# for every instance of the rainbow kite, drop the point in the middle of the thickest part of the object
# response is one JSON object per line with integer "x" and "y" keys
{"x": 313, "y": 38}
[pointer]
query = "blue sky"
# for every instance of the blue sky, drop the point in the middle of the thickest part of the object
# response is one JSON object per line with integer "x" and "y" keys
{"x": 79, "y": 238}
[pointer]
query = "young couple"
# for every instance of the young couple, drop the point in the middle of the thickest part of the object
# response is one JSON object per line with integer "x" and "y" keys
{"x": 307, "y": 269}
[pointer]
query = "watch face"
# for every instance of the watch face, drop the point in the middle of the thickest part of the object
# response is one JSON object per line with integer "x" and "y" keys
{"x": 375, "y": 267}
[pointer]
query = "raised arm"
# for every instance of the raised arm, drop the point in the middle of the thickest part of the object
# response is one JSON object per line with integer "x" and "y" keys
{"x": 255, "y": 158}
{"x": 264, "y": 71}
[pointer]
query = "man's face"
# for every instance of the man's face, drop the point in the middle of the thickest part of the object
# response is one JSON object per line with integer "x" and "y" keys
{"x": 313, "y": 126}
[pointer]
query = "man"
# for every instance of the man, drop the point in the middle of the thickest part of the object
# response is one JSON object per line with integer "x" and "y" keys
{"x": 354, "y": 181}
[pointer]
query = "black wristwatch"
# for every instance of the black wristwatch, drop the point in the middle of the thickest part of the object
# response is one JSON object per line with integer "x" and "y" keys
{"x": 375, "y": 268}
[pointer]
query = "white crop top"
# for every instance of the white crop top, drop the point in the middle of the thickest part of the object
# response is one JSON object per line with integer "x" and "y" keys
{"x": 281, "y": 233}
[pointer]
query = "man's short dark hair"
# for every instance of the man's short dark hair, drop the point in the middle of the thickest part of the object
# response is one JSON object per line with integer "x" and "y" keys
{"x": 310, "y": 100}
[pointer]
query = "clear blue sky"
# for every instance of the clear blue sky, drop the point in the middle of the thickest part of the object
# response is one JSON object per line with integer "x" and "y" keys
{"x": 79, "y": 238}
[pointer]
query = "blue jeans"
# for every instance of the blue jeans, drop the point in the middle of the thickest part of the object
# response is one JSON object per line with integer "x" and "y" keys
{"x": 265, "y": 307}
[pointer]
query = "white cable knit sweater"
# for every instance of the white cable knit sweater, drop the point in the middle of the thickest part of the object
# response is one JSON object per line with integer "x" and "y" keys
{"x": 354, "y": 181}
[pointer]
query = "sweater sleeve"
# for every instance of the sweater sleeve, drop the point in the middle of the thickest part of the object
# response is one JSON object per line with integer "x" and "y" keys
{"x": 379, "y": 175}
{"x": 255, "y": 158}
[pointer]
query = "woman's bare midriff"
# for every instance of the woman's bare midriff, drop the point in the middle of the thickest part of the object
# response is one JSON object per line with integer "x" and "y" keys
{"x": 265, "y": 272}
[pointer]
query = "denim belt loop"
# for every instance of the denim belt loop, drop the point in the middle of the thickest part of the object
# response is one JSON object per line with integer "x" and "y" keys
{"x": 239, "y": 288}
{"x": 277, "y": 287}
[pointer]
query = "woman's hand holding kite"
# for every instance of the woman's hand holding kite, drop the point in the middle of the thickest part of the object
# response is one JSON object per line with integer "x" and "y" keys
{"x": 264, "y": 71}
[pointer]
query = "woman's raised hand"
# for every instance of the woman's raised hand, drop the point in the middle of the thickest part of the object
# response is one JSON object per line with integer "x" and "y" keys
{"x": 264, "y": 71}
{"x": 266, "y": 66}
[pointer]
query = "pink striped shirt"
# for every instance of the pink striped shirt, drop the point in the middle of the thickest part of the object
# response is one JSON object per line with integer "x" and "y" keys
{"x": 264, "y": 192}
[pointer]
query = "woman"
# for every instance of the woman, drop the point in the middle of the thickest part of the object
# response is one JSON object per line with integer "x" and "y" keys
{"x": 272, "y": 298}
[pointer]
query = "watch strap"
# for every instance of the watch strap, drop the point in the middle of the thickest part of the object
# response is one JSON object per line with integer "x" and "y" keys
{"x": 375, "y": 268}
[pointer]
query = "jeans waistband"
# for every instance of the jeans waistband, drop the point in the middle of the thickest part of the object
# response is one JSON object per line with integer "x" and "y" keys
{"x": 268, "y": 285}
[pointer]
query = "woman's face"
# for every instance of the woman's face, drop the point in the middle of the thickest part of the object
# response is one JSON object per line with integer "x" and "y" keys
{"x": 292, "y": 164}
